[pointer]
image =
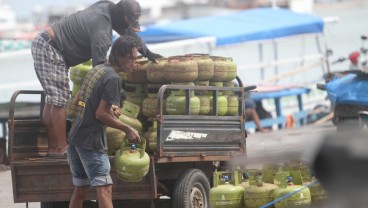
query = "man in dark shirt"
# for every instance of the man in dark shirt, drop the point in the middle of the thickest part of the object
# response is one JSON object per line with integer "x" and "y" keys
{"x": 84, "y": 35}
{"x": 87, "y": 150}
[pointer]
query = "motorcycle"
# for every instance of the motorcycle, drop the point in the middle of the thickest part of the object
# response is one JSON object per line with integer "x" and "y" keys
{"x": 347, "y": 90}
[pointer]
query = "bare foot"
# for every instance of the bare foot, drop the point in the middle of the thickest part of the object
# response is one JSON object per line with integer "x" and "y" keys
{"x": 57, "y": 151}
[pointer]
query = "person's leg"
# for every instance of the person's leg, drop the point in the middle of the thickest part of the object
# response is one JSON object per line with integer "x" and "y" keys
{"x": 256, "y": 120}
{"x": 52, "y": 73}
{"x": 253, "y": 115}
{"x": 97, "y": 167}
{"x": 78, "y": 196}
{"x": 57, "y": 130}
{"x": 104, "y": 196}
{"x": 80, "y": 179}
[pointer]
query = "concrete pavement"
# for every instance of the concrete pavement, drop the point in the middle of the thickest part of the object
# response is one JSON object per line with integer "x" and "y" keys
{"x": 6, "y": 191}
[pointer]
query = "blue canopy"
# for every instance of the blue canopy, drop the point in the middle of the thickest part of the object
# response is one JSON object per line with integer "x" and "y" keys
{"x": 247, "y": 25}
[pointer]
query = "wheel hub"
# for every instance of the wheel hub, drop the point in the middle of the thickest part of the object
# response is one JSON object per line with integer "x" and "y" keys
{"x": 196, "y": 198}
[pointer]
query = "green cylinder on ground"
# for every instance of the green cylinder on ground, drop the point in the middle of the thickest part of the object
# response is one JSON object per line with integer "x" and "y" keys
{"x": 258, "y": 193}
{"x": 299, "y": 199}
{"x": 225, "y": 194}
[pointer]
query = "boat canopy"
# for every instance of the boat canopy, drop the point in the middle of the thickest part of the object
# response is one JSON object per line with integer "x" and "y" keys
{"x": 238, "y": 27}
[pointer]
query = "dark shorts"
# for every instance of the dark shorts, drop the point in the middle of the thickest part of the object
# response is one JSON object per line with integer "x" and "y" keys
{"x": 249, "y": 104}
{"x": 89, "y": 167}
{"x": 52, "y": 72}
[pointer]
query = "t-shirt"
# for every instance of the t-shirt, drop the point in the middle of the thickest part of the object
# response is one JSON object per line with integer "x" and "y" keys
{"x": 85, "y": 34}
{"x": 101, "y": 82}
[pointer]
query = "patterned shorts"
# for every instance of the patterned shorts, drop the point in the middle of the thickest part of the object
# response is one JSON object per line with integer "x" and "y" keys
{"x": 52, "y": 72}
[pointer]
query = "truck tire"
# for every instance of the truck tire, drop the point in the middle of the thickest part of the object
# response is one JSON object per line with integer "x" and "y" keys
{"x": 191, "y": 190}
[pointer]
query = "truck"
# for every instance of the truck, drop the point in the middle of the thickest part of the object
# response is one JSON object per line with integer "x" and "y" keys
{"x": 190, "y": 149}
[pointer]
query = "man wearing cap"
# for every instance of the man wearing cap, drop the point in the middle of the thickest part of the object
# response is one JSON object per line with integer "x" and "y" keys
{"x": 84, "y": 35}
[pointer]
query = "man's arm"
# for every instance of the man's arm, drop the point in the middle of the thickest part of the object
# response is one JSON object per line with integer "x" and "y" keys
{"x": 105, "y": 114}
{"x": 142, "y": 48}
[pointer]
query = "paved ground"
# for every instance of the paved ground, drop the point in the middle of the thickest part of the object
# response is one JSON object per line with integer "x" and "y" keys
{"x": 275, "y": 146}
{"x": 6, "y": 191}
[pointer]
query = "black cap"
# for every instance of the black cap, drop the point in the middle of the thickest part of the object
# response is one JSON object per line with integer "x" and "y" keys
{"x": 132, "y": 10}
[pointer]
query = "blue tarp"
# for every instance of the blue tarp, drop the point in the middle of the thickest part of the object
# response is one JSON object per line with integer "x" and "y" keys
{"x": 247, "y": 25}
{"x": 350, "y": 89}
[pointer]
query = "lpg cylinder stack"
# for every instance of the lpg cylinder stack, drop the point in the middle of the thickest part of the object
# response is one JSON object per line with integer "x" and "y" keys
{"x": 142, "y": 85}
{"x": 275, "y": 185}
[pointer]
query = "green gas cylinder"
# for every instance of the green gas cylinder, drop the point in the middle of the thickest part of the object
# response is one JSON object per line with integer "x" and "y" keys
{"x": 71, "y": 109}
{"x": 224, "y": 69}
{"x": 139, "y": 74}
{"x": 204, "y": 99}
{"x": 131, "y": 163}
{"x": 129, "y": 113}
{"x": 115, "y": 138}
{"x": 78, "y": 72}
{"x": 135, "y": 93}
{"x": 176, "y": 102}
{"x": 318, "y": 193}
{"x": 151, "y": 136}
{"x": 225, "y": 194}
{"x": 205, "y": 64}
{"x": 155, "y": 71}
{"x": 150, "y": 103}
{"x": 180, "y": 69}
{"x": 258, "y": 193}
{"x": 221, "y": 100}
{"x": 299, "y": 199}
{"x": 232, "y": 100}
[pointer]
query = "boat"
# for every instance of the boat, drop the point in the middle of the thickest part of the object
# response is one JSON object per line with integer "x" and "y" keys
{"x": 271, "y": 46}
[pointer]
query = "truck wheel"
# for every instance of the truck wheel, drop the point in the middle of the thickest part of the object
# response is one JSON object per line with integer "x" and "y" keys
{"x": 191, "y": 190}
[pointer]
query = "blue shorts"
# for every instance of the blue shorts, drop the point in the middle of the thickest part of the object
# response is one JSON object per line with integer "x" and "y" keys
{"x": 249, "y": 104}
{"x": 89, "y": 167}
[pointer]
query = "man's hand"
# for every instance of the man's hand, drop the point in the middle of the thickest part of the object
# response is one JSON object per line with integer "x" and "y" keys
{"x": 133, "y": 136}
{"x": 116, "y": 110}
{"x": 153, "y": 56}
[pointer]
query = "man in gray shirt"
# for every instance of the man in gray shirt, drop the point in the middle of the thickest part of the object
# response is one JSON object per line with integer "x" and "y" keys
{"x": 87, "y": 151}
{"x": 84, "y": 35}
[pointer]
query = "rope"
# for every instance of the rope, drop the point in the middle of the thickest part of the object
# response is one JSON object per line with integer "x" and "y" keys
{"x": 289, "y": 194}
